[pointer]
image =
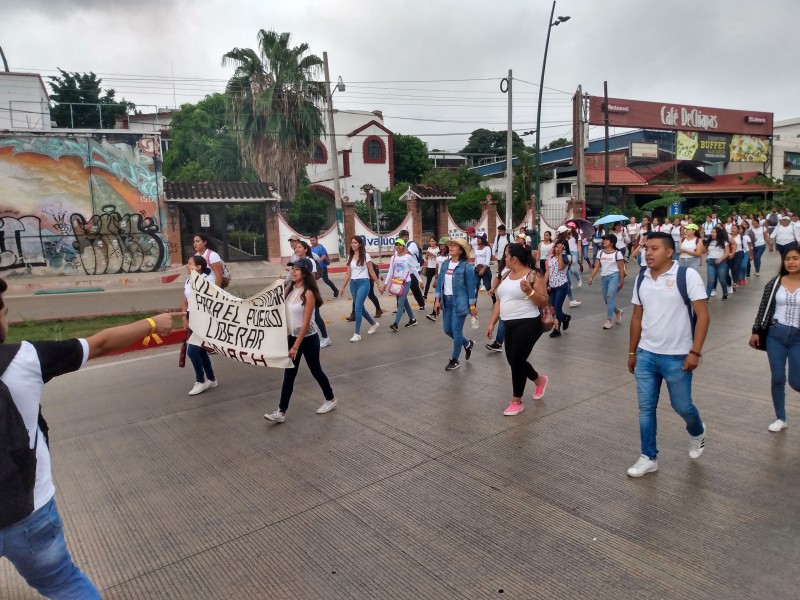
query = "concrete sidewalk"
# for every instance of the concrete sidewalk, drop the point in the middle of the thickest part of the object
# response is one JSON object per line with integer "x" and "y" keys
{"x": 416, "y": 486}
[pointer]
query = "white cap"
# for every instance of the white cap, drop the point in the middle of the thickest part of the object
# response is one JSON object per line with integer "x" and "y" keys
{"x": 562, "y": 229}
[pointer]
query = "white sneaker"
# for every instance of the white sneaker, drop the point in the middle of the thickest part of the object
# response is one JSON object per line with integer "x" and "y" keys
{"x": 574, "y": 303}
{"x": 212, "y": 384}
{"x": 698, "y": 444}
{"x": 777, "y": 425}
{"x": 619, "y": 317}
{"x": 608, "y": 324}
{"x": 713, "y": 293}
{"x": 643, "y": 466}
{"x": 277, "y": 416}
{"x": 327, "y": 406}
{"x": 325, "y": 342}
{"x": 373, "y": 329}
{"x": 355, "y": 338}
{"x": 199, "y": 387}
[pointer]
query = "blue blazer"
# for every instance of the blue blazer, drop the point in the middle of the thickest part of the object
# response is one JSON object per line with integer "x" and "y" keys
{"x": 465, "y": 285}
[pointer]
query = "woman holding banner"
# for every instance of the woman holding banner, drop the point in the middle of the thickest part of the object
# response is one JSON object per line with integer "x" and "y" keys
{"x": 302, "y": 297}
{"x": 203, "y": 372}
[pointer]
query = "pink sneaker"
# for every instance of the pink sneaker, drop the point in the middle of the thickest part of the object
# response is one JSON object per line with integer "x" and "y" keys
{"x": 538, "y": 393}
{"x": 514, "y": 408}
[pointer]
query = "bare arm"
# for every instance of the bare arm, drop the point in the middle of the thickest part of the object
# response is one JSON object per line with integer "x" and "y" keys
{"x": 635, "y": 336}
{"x": 217, "y": 268}
{"x": 700, "y": 308}
{"x": 116, "y": 338}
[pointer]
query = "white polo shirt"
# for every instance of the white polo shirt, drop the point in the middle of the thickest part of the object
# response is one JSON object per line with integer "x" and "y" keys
{"x": 666, "y": 328}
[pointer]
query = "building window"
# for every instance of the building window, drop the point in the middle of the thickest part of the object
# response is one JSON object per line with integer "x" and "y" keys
{"x": 374, "y": 150}
{"x": 320, "y": 156}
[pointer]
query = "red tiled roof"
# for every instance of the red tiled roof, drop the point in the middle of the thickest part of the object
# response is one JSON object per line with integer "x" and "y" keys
{"x": 178, "y": 190}
{"x": 616, "y": 176}
{"x": 734, "y": 183}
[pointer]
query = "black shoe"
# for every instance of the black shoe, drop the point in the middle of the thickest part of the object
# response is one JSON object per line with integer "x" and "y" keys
{"x": 422, "y": 307}
{"x": 431, "y": 317}
{"x": 393, "y": 327}
{"x": 494, "y": 347}
{"x": 567, "y": 319}
{"x": 555, "y": 333}
{"x": 378, "y": 313}
{"x": 411, "y": 323}
{"x": 335, "y": 293}
{"x": 352, "y": 317}
{"x": 452, "y": 365}
{"x": 725, "y": 296}
{"x": 468, "y": 350}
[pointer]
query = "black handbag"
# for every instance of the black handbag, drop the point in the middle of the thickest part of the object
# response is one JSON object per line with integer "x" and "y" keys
{"x": 762, "y": 329}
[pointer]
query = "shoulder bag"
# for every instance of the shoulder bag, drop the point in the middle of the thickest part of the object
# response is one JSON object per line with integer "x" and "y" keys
{"x": 763, "y": 328}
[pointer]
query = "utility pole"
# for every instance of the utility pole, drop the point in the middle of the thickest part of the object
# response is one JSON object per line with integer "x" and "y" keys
{"x": 5, "y": 62}
{"x": 605, "y": 181}
{"x": 509, "y": 158}
{"x": 337, "y": 193}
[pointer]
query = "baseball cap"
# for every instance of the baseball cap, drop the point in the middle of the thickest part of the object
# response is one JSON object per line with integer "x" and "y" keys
{"x": 294, "y": 237}
{"x": 522, "y": 236}
{"x": 483, "y": 237}
{"x": 399, "y": 242}
{"x": 785, "y": 217}
{"x": 443, "y": 240}
{"x": 470, "y": 229}
{"x": 304, "y": 264}
{"x": 691, "y": 226}
{"x": 562, "y": 229}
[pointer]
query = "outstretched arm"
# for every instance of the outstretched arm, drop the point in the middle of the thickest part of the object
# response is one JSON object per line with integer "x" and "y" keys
{"x": 116, "y": 338}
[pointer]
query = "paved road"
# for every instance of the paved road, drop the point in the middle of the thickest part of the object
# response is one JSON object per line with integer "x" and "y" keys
{"x": 416, "y": 486}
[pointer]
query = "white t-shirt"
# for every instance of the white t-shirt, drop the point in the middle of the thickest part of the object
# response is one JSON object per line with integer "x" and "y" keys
{"x": 499, "y": 248}
{"x": 758, "y": 232}
{"x": 187, "y": 286}
{"x": 675, "y": 231}
{"x": 402, "y": 267}
{"x": 783, "y": 234}
{"x": 513, "y": 304}
{"x": 359, "y": 272}
{"x": 787, "y": 307}
{"x": 666, "y": 328}
{"x": 608, "y": 262}
{"x": 621, "y": 239}
{"x": 483, "y": 256}
{"x": 796, "y": 225}
{"x": 714, "y": 251}
{"x": 690, "y": 245}
{"x": 295, "y": 312}
{"x": 211, "y": 257}
{"x": 430, "y": 256}
{"x": 440, "y": 261}
{"x": 545, "y": 250}
{"x": 728, "y": 227}
{"x": 34, "y": 364}
{"x": 633, "y": 230}
{"x": 447, "y": 284}
{"x": 737, "y": 239}
{"x": 708, "y": 227}
{"x": 573, "y": 244}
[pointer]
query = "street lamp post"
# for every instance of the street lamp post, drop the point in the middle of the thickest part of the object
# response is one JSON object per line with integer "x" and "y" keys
{"x": 538, "y": 202}
{"x": 337, "y": 192}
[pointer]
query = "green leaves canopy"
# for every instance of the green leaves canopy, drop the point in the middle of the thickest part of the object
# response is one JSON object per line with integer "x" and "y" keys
{"x": 75, "y": 93}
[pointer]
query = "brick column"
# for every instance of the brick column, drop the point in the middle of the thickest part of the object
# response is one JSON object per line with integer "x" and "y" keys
{"x": 441, "y": 218}
{"x": 490, "y": 208}
{"x": 273, "y": 231}
{"x": 414, "y": 206}
{"x": 349, "y": 216}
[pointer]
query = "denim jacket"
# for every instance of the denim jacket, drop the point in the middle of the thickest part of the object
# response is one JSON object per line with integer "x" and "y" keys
{"x": 464, "y": 286}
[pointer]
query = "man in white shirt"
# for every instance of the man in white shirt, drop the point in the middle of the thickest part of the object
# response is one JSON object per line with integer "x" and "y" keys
{"x": 31, "y": 534}
{"x": 666, "y": 345}
{"x": 499, "y": 247}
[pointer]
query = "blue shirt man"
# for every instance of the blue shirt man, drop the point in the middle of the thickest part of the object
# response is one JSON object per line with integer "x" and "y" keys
{"x": 322, "y": 264}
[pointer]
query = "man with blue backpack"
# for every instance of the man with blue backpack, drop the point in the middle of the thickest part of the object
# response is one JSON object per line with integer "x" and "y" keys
{"x": 668, "y": 328}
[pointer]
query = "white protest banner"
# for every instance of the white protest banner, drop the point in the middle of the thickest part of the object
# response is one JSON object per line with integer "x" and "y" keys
{"x": 250, "y": 330}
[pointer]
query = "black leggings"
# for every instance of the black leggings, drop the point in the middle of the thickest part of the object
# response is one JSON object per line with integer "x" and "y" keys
{"x": 309, "y": 348}
{"x": 521, "y": 335}
{"x": 429, "y": 273}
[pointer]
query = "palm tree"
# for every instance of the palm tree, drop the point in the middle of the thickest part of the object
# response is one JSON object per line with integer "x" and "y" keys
{"x": 275, "y": 107}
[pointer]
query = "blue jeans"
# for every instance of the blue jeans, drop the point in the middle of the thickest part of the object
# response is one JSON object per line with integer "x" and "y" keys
{"x": 610, "y": 283}
{"x": 574, "y": 268}
{"x": 37, "y": 549}
{"x": 783, "y": 344}
{"x": 757, "y": 252}
{"x": 736, "y": 266}
{"x": 486, "y": 280}
{"x": 598, "y": 248}
{"x": 359, "y": 289}
{"x": 745, "y": 266}
{"x": 201, "y": 363}
{"x": 716, "y": 269}
{"x": 501, "y": 332}
{"x": 403, "y": 304}
{"x": 784, "y": 248}
{"x": 651, "y": 369}
{"x": 453, "y": 326}
{"x": 557, "y": 297}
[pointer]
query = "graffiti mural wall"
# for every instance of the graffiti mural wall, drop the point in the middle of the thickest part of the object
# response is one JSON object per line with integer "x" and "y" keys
{"x": 83, "y": 204}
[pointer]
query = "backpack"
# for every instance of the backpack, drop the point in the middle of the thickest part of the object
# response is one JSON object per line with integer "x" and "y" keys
{"x": 226, "y": 272}
{"x": 17, "y": 459}
{"x": 681, "y": 278}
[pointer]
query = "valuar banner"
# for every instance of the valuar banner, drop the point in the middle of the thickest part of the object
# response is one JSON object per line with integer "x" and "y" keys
{"x": 249, "y": 330}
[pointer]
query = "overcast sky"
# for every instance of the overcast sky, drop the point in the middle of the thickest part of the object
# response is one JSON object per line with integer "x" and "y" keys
{"x": 433, "y": 66}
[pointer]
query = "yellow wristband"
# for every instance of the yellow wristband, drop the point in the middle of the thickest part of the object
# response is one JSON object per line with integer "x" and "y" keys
{"x": 529, "y": 296}
{"x": 156, "y": 338}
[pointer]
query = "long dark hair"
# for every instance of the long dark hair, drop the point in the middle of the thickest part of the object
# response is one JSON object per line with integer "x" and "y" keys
{"x": 362, "y": 253}
{"x": 306, "y": 247}
{"x": 210, "y": 245}
{"x": 722, "y": 237}
{"x": 201, "y": 262}
{"x": 523, "y": 254}
{"x": 309, "y": 283}
{"x": 783, "y": 272}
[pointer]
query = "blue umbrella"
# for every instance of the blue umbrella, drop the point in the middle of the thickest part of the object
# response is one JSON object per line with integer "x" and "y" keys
{"x": 610, "y": 219}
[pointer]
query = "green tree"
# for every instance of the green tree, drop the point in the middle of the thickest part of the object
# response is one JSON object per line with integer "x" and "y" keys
{"x": 460, "y": 180}
{"x": 467, "y": 204}
{"x": 411, "y": 162}
{"x": 309, "y": 212}
{"x": 80, "y": 102}
{"x": 202, "y": 149}
{"x": 559, "y": 143}
{"x": 484, "y": 141}
{"x": 274, "y": 101}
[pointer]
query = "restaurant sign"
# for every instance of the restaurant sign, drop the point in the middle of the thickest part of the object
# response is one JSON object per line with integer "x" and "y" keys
{"x": 680, "y": 117}
{"x": 721, "y": 147}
